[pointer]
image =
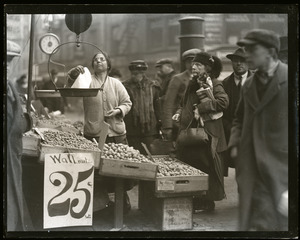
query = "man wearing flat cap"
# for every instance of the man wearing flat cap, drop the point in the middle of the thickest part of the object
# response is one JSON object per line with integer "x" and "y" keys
{"x": 259, "y": 137}
{"x": 175, "y": 92}
{"x": 141, "y": 121}
{"x": 232, "y": 85}
{"x": 18, "y": 122}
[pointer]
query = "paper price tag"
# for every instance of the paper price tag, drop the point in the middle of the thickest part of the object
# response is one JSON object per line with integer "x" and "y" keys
{"x": 68, "y": 190}
{"x": 166, "y": 185}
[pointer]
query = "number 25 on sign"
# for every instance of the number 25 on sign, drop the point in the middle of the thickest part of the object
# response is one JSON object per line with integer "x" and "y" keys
{"x": 68, "y": 189}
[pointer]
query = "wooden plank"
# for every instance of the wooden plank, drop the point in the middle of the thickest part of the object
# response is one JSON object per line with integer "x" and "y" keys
{"x": 45, "y": 149}
{"x": 177, "y": 213}
{"x": 127, "y": 169}
{"x": 169, "y": 213}
{"x": 119, "y": 201}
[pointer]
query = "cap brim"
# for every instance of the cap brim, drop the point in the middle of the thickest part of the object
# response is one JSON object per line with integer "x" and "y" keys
{"x": 244, "y": 42}
{"x": 230, "y": 56}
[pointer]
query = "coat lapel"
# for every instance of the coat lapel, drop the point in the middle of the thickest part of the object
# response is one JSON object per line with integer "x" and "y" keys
{"x": 251, "y": 94}
{"x": 274, "y": 87}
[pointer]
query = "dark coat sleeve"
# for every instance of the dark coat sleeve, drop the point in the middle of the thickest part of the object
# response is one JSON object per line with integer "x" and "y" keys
{"x": 227, "y": 121}
{"x": 219, "y": 104}
{"x": 236, "y": 129}
{"x": 170, "y": 102}
{"x": 156, "y": 102}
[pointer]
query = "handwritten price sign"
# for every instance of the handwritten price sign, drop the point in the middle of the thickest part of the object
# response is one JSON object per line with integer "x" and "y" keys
{"x": 68, "y": 189}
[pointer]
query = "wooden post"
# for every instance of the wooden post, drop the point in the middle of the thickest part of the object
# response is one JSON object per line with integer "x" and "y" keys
{"x": 29, "y": 88}
{"x": 119, "y": 200}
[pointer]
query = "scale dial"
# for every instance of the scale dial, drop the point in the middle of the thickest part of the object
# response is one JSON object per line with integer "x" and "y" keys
{"x": 49, "y": 42}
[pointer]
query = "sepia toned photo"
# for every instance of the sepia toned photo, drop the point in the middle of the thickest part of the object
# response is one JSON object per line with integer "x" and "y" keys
{"x": 150, "y": 121}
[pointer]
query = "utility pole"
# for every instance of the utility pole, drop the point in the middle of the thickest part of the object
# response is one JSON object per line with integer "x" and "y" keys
{"x": 29, "y": 89}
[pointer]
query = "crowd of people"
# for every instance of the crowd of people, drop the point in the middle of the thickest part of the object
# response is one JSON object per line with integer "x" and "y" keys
{"x": 237, "y": 122}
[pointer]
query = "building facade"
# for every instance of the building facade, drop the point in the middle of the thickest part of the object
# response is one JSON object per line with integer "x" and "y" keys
{"x": 128, "y": 37}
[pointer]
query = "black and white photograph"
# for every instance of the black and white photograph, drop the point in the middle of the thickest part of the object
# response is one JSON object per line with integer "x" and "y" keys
{"x": 150, "y": 121}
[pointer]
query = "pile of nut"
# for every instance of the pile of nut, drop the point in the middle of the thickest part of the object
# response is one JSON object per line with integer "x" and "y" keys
{"x": 121, "y": 151}
{"x": 63, "y": 123}
{"x": 78, "y": 125}
{"x": 168, "y": 166}
{"x": 68, "y": 140}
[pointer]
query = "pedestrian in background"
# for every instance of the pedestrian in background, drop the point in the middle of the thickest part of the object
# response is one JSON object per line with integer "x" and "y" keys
{"x": 207, "y": 156}
{"x": 53, "y": 104}
{"x": 259, "y": 137}
{"x": 174, "y": 94}
{"x": 115, "y": 73}
{"x": 142, "y": 120}
{"x": 18, "y": 122}
{"x": 232, "y": 85}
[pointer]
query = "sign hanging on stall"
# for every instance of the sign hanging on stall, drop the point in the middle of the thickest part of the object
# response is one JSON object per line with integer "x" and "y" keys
{"x": 68, "y": 190}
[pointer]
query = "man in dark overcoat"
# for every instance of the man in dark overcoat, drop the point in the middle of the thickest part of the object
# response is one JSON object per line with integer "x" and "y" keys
{"x": 17, "y": 123}
{"x": 174, "y": 94}
{"x": 259, "y": 137}
{"x": 232, "y": 85}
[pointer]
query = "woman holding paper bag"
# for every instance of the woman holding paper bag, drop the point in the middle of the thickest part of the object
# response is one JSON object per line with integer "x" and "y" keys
{"x": 201, "y": 107}
{"x": 110, "y": 105}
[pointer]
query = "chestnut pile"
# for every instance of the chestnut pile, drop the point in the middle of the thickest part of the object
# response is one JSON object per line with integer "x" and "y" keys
{"x": 168, "y": 166}
{"x": 63, "y": 123}
{"x": 121, "y": 151}
{"x": 68, "y": 140}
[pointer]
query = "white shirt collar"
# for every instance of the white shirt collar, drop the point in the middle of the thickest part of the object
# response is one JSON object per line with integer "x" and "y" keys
{"x": 244, "y": 77}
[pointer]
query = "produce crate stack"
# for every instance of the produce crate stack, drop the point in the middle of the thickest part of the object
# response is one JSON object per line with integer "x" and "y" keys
{"x": 166, "y": 186}
{"x": 168, "y": 200}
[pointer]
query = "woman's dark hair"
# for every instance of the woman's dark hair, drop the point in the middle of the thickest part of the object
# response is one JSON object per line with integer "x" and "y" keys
{"x": 216, "y": 68}
{"x": 115, "y": 72}
{"x": 106, "y": 57}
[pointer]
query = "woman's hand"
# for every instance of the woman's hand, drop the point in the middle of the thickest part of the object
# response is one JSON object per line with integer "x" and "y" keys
{"x": 74, "y": 72}
{"x": 176, "y": 117}
{"x": 234, "y": 152}
{"x": 113, "y": 112}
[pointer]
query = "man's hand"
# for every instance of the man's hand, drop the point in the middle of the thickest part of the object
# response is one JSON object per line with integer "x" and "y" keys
{"x": 167, "y": 133}
{"x": 74, "y": 72}
{"x": 283, "y": 205}
{"x": 234, "y": 152}
{"x": 176, "y": 117}
{"x": 113, "y": 112}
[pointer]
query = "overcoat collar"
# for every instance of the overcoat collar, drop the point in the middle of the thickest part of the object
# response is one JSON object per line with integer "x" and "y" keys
{"x": 280, "y": 77}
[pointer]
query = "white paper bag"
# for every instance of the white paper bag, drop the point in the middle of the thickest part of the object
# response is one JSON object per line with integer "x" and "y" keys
{"x": 83, "y": 80}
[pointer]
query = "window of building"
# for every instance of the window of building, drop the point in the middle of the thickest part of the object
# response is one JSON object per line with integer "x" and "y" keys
{"x": 155, "y": 33}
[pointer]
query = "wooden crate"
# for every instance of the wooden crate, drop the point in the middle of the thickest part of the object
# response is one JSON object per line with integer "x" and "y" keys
{"x": 180, "y": 184}
{"x": 127, "y": 169}
{"x": 169, "y": 213}
{"x": 45, "y": 149}
{"x": 31, "y": 145}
